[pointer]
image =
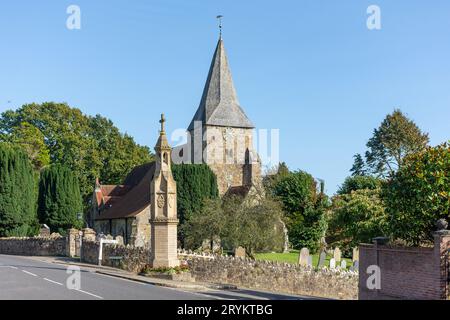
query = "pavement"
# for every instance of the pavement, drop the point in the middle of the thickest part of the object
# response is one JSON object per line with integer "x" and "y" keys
{"x": 53, "y": 278}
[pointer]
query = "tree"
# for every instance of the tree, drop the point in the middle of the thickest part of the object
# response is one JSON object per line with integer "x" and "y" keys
{"x": 31, "y": 140}
{"x": 195, "y": 183}
{"x": 304, "y": 207}
{"x": 359, "y": 166}
{"x": 395, "y": 138}
{"x": 208, "y": 224}
{"x": 253, "y": 223}
{"x": 17, "y": 196}
{"x": 59, "y": 199}
{"x": 271, "y": 179}
{"x": 355, "y": 183}
{"x": 419, "y": 194}
{"x": 357, "y": 216}
{"x": 297, "y": 191}
{"x": 90, "y": 146}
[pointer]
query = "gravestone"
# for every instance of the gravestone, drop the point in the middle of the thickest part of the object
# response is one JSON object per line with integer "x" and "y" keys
{"x": 120, "y": 240}
{"x": 310, "y": 263}
{"x": 332, "y": 263}
{"x": 44, "y": 231}
{"x": 337, "y": 255}
{"x": 303, "y": 257}
{"x": 343, "y": 264}
{"x": 355, "y": 255}
{"x": 239, "y": 252}
{"x": 322, "y": 258}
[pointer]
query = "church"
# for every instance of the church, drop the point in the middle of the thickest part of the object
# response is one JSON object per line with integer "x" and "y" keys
{"x": 220, "y": 135}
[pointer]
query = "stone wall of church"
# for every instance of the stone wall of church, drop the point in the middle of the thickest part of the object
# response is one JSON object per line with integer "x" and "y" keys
{"x": 227, "y": 151}
{"x": 140, "y": 229}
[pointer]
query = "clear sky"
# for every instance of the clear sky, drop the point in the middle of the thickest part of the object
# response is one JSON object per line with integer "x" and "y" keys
{"x": 310, "y": 68}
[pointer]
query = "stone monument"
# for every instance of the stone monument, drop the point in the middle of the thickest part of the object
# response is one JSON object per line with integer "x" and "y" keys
{"x": 163, "y": 207}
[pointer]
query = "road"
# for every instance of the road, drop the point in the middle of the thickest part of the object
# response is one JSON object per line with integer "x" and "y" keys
{"x": 31, "y": 279}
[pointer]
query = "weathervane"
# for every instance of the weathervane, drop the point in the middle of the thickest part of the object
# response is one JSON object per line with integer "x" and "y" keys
{"x": 219, "y": 17}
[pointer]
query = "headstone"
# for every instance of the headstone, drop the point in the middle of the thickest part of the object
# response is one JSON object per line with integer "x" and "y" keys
{"x": 356, "y": 265}
{"x": 303, "y": 257}
{"x": 239, "y": 252}
{"x": 337, "y": 255}
{"x": 355, "y": 255}
{"x": 44, "y": 231}
{"x": 332, "y": 263}
{"x": 343, "y": 264}
{"x": 310, "y": 263}
{"x": 119, "y": 240}
{"x": 322, "y": 258}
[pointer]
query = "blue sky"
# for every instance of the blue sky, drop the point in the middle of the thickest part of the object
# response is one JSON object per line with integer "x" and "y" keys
{"x": 310, "y": 68}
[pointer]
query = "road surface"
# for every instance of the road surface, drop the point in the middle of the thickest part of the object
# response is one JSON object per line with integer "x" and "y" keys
{"x": 30, "y": 279}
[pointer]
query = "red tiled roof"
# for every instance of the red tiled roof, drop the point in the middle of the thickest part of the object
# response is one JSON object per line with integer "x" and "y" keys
{"x": 129, "y": 199}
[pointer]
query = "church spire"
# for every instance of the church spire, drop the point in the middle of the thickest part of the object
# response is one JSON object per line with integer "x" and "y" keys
{"x": 219, "y": 105}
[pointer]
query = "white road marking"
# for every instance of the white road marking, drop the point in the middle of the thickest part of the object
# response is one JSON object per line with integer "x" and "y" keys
{"x": 31, "y": 274}
{"x": 11, "y": 267}
{"x": 58, "y": 283}
{"x": 91, "y": 294}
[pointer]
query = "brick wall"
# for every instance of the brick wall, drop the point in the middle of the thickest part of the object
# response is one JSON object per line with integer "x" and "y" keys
{"x": 33, "y": 246}
{"x": 406, "y": 272}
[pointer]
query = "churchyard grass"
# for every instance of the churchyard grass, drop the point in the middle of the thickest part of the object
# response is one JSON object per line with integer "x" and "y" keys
{"x": 292, "y": 257}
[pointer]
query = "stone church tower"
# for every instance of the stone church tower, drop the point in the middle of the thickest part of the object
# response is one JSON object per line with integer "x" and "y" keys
{"x": 163, "y": 207}
{"x": 221, "y": 134}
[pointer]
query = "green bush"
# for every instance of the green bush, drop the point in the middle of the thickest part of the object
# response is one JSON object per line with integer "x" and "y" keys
{"x": 357, "y": 217}
{"x": 354, "y": 183}
{"x": 59, "y": 199}
{"x": 17, "y": 193}
{"x": 419, "y": 194}
{"x": 304, "y": 208}
{"x": 195, "y": 183}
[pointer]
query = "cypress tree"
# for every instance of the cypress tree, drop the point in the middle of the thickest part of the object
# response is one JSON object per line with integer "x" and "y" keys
{"x": 59, "y": 199}
{"x": 17, "y": 193}
{"x": 195, "y": 182}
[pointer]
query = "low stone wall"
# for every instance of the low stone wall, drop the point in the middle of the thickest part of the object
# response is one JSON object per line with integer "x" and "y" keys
{"x": 133, "y": 258}
{"x": 279, "y": 277}
{"x": 33, "y": 246}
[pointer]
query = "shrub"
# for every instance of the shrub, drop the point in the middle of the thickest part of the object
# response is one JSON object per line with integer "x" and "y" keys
{"x": 419, "y": 194}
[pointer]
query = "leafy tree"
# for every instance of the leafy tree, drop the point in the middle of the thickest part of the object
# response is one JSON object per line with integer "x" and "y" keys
{"x": 17, "y": 196}
{"x": 31, "y": 140}
{"x": 59, "y": 199}
{"x": 253, "y": 223}
{"x": 208, "y": 224}
{"x": 195, "y": 183}
{"x": 419, "y": 194}
{"x": 396, "y": 138}
{"x": 297, "y": 191}
{"x": 90, "y": 146}
{"x": 355, "y": 183}
{"x": 305, "y": 209}
{"x": 271, "y": 179}
{"x": 357, "y": 216}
